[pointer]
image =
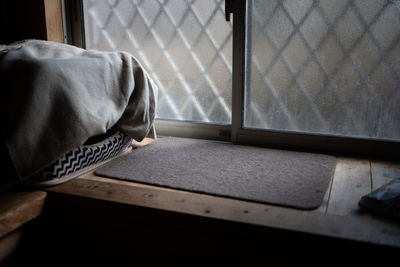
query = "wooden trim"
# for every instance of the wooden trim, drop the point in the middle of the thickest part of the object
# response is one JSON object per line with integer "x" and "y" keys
{"x": 54, "y": 21}
{"x": 17, "y": 208}
{"x": 9, "y": 244}
{"x": 356, "y": 227}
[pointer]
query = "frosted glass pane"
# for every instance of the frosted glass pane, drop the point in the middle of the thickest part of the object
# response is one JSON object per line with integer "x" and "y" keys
{"x": 185, "y": 45}
{"x": 328, "y": 67}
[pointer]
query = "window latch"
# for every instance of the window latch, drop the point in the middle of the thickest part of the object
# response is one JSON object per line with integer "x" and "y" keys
{"x": 228, "y": 9}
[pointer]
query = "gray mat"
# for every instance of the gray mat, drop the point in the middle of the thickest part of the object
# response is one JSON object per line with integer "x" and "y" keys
{"x": 280, "y": 177}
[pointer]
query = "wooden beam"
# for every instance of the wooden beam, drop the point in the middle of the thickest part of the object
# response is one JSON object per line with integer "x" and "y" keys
{"x": 9, "y": 244}
{"x": 19, "y": 207}
{"x": 54, "y": 22}
{"x": 359, "y": 228}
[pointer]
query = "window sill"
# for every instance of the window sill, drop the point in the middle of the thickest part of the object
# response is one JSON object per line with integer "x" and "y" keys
{"x": 338, "y": 217}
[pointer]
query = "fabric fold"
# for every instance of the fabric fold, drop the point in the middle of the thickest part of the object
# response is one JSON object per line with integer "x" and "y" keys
{"x": 56, "y": 96}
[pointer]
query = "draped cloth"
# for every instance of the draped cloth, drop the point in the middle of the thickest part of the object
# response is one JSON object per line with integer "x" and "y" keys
{"x": 55, "y": 96}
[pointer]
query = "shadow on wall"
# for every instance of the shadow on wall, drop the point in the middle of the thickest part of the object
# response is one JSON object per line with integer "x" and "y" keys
{"x": 22, "y": 20}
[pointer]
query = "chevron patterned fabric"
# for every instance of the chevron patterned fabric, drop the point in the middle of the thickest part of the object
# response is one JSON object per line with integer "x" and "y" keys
{"x": 84, "y": 156}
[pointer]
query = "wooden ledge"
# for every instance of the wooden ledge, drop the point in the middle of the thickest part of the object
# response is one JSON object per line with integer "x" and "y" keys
{"x": 358, "y": 227}
{"x": 339, "y": 215}
{"x": 19, "y": 207}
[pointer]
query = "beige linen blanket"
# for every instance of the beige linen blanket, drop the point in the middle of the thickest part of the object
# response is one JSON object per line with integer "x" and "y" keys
{"x": 55, "y": 96}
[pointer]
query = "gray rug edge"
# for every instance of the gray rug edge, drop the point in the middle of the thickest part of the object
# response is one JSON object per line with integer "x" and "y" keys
{"x": 305, "y": 208}
{"x": 101, "y": 172}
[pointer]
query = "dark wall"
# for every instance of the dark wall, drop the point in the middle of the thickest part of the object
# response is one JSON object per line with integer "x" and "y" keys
{"x": 21, "y": 19}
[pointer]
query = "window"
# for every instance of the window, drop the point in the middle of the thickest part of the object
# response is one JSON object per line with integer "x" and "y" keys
{"x": 324, "y": 72}
{"x": 185, "y": 45}
{"x": 325, "y": 67}
{"x": 305, "y": 73}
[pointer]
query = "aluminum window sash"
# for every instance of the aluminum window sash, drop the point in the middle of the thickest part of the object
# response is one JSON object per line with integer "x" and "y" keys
{"x": 73, "y": 24}
{"x": 320, "y": 143}
{"x": 238, "y": 65}
{"x": 285, "y": 139}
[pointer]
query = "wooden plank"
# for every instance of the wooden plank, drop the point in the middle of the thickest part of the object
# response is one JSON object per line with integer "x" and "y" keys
{"x": 9, "y": 243}
{"x": 383, "y": 172}
{"x": 351, "y": 181}
{"x": 347, "y": 227}
{"x": 19, "y": 207}
{"x": 324, "y": 206}
{"x": 54, "y": 23}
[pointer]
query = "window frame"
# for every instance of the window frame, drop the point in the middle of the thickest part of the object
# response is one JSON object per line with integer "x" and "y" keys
{"x": 236, "y": 132}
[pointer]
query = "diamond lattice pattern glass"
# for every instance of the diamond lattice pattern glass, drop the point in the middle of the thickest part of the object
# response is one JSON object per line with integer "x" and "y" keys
{"x": 323, "y": 66}
{"x": 185, "y": 45}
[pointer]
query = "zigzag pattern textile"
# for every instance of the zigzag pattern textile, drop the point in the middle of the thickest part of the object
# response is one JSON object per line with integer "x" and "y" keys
{"x": 84, "y": 156}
